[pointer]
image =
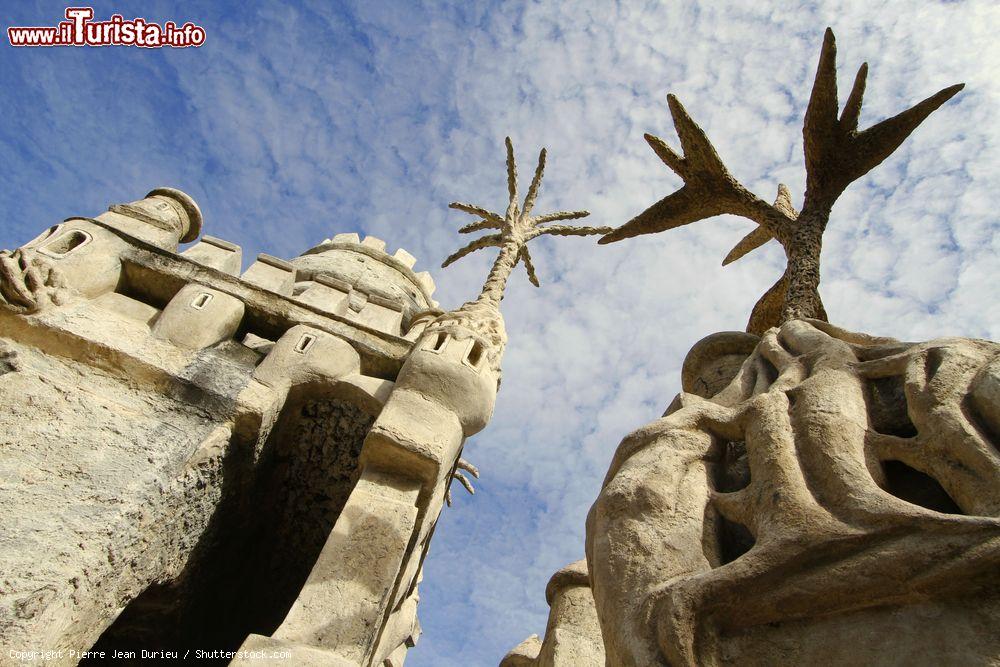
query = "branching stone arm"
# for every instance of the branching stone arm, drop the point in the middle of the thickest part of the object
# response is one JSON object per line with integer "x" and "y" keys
{"x": 482, "y": 242}
{"x": 709, "y": 189}
{"x": 479, "y": 226}
{"x": 529, "y": 267}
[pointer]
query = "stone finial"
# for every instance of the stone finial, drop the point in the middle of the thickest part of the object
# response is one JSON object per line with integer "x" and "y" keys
{"x": 836, "y": 154}
{"x": 189, "y": 214}
{"x": 516, "y": 227}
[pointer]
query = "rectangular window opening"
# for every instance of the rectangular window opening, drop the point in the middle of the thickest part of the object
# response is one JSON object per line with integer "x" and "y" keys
{"x": 305, "y": 342}
{"x": 201, "y": 300}
{"x": 65, "y": 243}
{"x": 476, "y": 354}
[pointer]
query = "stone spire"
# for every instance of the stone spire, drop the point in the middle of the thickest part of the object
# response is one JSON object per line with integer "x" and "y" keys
{"x": 836, "y": 154}
{"x": 517, "y": 227}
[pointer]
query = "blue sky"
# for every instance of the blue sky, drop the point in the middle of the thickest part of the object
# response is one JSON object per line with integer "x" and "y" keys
{"x": 296, "y": 122}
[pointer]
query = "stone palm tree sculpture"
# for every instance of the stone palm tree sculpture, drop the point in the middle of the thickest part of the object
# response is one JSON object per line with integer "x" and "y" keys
{"x": 836, "y": 154}
{"x": 481, "y": 319}
{"x": 516, "y": 228}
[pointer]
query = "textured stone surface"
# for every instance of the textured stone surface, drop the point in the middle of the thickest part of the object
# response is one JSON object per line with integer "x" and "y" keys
{"x": 346, "y": 592}
{"x": 187, "y": 460}
{"x": 105, "y": 487}
{"x": 838, "y": 502}
{"x": 573, "y": 633}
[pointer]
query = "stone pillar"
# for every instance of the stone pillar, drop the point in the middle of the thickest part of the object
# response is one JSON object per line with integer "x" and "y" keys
{"x": 343, "y": 603}
{"x": 573, "y": 634}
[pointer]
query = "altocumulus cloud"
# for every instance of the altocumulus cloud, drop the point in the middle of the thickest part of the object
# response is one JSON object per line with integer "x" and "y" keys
{"x": 293, "y": 123}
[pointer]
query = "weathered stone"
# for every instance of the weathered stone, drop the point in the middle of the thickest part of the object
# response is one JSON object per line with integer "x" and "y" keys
{"x": 271, "y": 273}
{"x": 218, "y": 254}
{"x": 198, "y": 317}
{"x": 165, "y": 487}
{"x": 868, "y": 516}
{"x": 516, "y": 228}
{"x": 813, "y": 496}
{"x": 573, "y": 634}
{"x": 836, "y": 154}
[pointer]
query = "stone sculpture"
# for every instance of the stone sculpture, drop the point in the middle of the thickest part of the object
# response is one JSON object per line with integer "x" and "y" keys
{"x": 481, "y": 319}
{"x": 836, "y": 155}
{"x": 176, "y": 430}
{"x": 198, "y": 457}
{"x": 517, "y": 227}
{"x": 838, "y": 500}
{"x": 28, "y": 282}
{"x": 813, "y": 496}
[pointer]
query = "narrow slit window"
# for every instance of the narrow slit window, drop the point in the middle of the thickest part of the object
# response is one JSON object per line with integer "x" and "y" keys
{"x": 439, "y": 342}
{"x": 66, "y": 243}
{"x": 201, "y": 301}
{"x": 475, "y": 354}
{"x": 305, "y": 343}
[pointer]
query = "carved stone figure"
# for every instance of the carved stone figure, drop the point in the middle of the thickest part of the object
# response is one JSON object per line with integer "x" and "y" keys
{"x": 28, "y": 282}
{"x": 813, "y": 496}
{"x": 839, "y": 491}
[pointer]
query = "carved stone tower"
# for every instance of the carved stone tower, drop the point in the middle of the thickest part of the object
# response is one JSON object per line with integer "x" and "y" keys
{"x": 195, "y": 457}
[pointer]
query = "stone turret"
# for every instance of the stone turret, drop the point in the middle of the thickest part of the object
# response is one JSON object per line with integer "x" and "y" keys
{"x": 358, "y": 279}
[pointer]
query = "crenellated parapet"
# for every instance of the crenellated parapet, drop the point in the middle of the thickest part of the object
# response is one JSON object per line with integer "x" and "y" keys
{"x": 358, "y": 279}
{"x": 84, "y": 256}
